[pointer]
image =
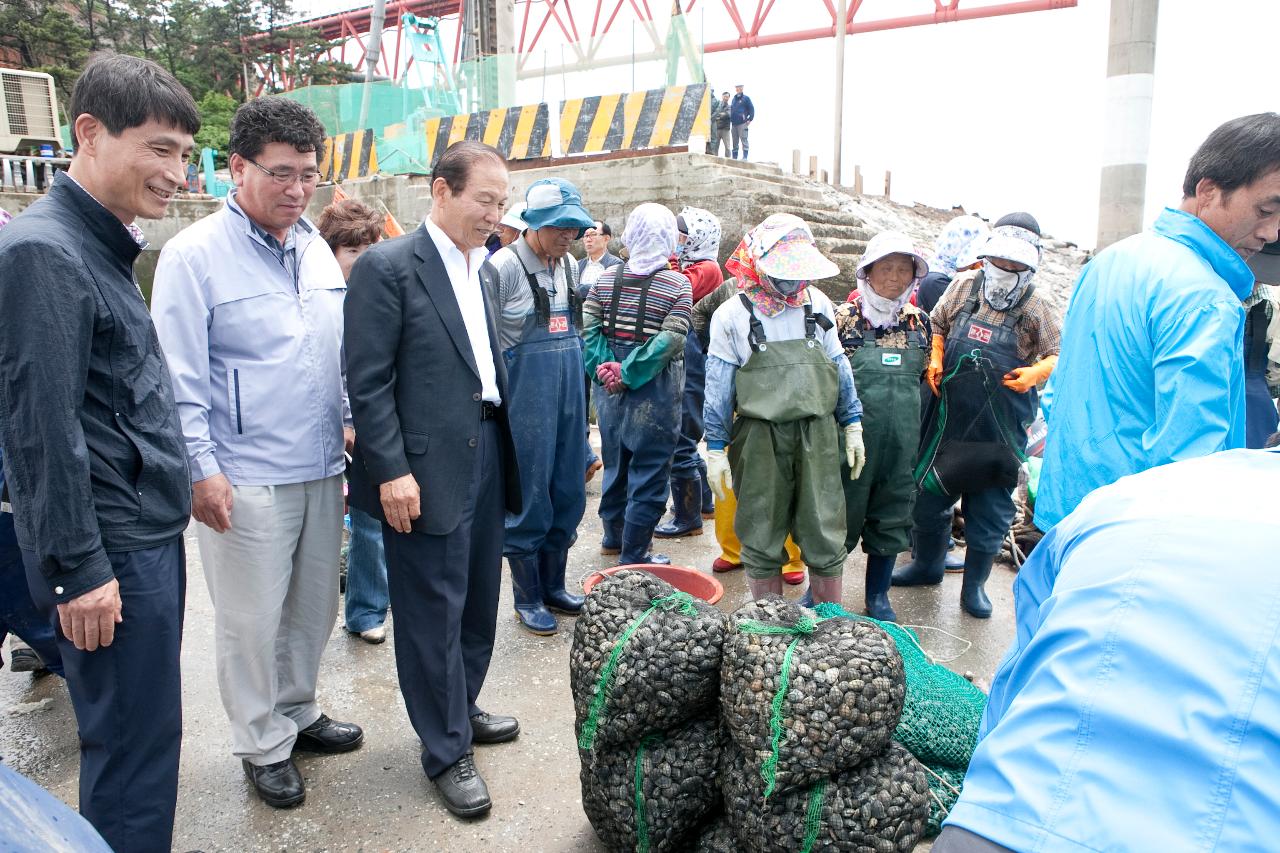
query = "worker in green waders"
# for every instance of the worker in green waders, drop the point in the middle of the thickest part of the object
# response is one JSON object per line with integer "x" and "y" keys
{"x": 775, "y": 359}
{"x": 887, "y": 341}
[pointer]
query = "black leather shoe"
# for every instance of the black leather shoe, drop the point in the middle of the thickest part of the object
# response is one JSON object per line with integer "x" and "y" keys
{"x": 326, "y": 735}
{"x": 279, "y": 784}
{"x": 493, "y": 728}
{"x": 465, "y": 793}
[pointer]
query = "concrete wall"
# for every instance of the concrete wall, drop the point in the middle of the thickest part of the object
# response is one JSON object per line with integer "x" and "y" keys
{"x": 741, "y": 194}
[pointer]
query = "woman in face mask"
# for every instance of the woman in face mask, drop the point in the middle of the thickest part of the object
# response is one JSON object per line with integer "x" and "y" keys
{"x": 778, "y": 383}
{"x": 995, "y": 340}
{"x": 696, "y": 259}
{"x": 887, "y": 341}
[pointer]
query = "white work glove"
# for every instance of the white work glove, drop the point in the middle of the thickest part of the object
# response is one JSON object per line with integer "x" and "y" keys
{"x": 719, "y": 477}
{"x": 854, "y": 450}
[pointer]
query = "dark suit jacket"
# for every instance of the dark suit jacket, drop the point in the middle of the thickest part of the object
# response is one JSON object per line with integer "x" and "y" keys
{"x": 413, "y": 383}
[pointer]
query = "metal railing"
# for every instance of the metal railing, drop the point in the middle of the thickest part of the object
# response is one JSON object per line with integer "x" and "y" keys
{"x": 20, "y": 173}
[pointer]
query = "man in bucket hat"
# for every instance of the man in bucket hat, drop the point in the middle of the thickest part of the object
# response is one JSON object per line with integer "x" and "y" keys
{"x": 537, "y": 333}
{"x": 995, "y": 339}
{"x": 776, "y": 366}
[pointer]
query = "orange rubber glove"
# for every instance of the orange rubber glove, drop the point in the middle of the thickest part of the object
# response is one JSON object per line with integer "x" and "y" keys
{"x": 933, "y": 373}
{"x": 1023, "y": 379}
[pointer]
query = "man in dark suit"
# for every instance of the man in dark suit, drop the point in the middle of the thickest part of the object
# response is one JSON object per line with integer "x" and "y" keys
{"x": 434, "y": 458}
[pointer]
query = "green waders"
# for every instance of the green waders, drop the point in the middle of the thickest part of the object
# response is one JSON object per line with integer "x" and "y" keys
{"x": 785, "y": 454}
{"x": 878, "y": 504}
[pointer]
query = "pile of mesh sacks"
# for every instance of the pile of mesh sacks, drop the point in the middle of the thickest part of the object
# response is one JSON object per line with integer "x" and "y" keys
{"x": 774, "y": 729}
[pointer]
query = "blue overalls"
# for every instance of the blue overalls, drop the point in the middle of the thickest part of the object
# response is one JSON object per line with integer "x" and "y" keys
{"x": 976, "y": 432}
{"x": 1260, "y": 417}
{"x": 546, "y": 409}
{"x": 639, "y": 428}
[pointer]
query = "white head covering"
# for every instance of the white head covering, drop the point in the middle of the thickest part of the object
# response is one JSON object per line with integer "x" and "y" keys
{"x": 650, "y": 237}
{"x": 704, "y": 235}
{"x": 512, "y": 218}
{"x": 954, "y": 248}
{"x": 880, "y": 311}
{"x": 1003, "y": 290}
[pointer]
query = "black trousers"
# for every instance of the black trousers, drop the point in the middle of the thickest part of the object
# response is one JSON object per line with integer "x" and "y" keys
{"x": 128, "y": 699}
{"x": 444, "y": 594}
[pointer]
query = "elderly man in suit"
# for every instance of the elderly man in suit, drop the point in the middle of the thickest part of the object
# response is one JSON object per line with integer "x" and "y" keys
{"x": 434, "y": 458}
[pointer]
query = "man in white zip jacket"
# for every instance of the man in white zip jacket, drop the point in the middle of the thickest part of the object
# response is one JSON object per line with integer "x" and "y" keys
{"x": 248, "y": 307}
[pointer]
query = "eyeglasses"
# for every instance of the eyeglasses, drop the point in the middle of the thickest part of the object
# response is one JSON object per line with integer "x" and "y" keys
{"x": 284, "y": 179}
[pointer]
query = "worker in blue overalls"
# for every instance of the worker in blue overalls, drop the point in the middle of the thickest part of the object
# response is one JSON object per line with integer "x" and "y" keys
{"x": 537, "y": 333}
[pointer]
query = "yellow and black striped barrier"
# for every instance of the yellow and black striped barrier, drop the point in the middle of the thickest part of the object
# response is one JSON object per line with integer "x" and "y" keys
{"x": 520, "y": 133}
{"x": 348, "y": 156}
{"x": 634, "y": 120}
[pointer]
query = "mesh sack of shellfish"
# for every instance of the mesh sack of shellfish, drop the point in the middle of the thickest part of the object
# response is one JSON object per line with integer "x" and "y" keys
{"x": 716, "y": 836}
{"x": 880, "y": 805}
{"x": 805, "y": 697}
{"x": 655, "y": 794}
{"x": 645, "y": 658}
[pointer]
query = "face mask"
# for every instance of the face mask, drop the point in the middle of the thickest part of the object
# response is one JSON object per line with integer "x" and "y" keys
{"x": 789, "y": 288}
{"x": 1001, "y": 288}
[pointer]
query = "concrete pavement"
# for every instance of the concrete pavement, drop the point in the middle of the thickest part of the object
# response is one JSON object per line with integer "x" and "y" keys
{"x": 377, "y": 798}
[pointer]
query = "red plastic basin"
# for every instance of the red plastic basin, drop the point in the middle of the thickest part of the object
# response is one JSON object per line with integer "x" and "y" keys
{"x": 683, "y": 578}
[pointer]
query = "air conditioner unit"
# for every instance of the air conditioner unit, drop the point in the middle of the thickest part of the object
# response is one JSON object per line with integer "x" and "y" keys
{"x": 29, "y": 117}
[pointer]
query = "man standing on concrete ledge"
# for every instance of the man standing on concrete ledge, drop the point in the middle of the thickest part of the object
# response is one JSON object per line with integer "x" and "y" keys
{"x": 248, "y": 303}
{"x": 1152, "y": 361}
{"x": 741, "y": 113}
{"x": 435, "y": 458}
{"x": 94, "y": 461}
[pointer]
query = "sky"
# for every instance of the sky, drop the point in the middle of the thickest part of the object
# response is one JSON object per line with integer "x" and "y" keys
{"x": 995, "y": 115}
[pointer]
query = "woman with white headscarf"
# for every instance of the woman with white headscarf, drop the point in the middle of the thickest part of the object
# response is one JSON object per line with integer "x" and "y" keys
{"x": 635, "y": 319}
{"x": 955, "y": 251}
{"x": 691, "y": 497}
{"x": 887, "y": 341}
{"x": 779, "y": 393}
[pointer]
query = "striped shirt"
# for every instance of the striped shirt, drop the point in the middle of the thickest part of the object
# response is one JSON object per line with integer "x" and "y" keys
{"x": 667, "y": 305}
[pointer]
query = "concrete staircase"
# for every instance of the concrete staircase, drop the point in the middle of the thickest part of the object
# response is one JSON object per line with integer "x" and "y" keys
{"x": 740, "y": 193}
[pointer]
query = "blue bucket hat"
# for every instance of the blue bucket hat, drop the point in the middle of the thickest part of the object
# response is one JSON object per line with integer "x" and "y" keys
{"x": 556, "y": 203}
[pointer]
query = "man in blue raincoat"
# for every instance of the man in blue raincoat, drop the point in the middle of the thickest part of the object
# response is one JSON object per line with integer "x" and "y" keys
{"x": 538, "y": 336}
{"x": 1139, "y": 707}
{"x": 1152, "y": 362}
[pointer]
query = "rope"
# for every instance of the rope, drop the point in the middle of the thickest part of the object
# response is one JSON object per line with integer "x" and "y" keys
{"x": 677, "y": 601}
{"x": 642, "y": 823}
{"x": 803, "y": 628}
{"x": 813, "y": 815}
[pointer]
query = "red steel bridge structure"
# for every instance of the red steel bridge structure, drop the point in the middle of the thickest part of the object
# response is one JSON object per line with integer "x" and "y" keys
{"x": 582, "y": 25}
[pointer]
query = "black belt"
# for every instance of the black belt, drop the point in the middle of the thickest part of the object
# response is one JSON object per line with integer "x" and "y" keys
{"x": 488, "y": 411}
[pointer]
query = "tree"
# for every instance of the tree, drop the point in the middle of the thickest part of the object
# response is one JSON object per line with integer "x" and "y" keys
{"x": 216, "y": 111}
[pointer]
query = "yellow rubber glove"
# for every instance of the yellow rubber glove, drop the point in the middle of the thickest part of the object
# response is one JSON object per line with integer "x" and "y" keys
{"x": 854, "y": 450}
{"x": 933, "y": 373}
{"x": 719, "y": 477}
{"x": 1023, "y": 379}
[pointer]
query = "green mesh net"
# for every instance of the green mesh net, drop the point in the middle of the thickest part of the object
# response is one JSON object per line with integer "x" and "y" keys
{"x": 940, "y": 715}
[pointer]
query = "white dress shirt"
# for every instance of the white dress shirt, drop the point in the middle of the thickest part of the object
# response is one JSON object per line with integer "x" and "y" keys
{"x": 464, "y": 276}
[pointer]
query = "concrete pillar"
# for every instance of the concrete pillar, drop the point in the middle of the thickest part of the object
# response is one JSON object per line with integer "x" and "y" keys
{"x": 1131, "y": 64}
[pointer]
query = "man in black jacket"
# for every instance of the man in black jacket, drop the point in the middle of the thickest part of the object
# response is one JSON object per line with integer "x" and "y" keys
{"x": 94, "y": 457}
{"x": 434, "y": 457}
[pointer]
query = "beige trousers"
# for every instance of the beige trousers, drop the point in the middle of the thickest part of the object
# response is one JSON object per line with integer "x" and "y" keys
{"x": 273, "y": 578}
